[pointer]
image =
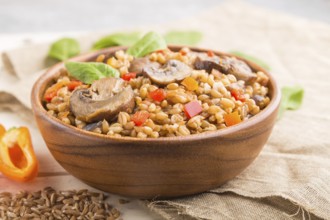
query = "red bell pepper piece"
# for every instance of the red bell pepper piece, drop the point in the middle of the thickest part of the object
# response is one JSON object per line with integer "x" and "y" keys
{"x": 140, "y": 117}
{"x": 232, "y": 118}
{"x": 128, "y": 76}
{"x": 158, "y": 95}
{"x": 192, "y": 109}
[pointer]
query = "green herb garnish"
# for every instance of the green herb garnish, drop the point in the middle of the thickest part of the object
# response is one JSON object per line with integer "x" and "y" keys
{"x": 88, "y": 72}
{"x": 183, "y": 37}
{"x": 251, "y": 58}
{"x": 64, "y": 48}
{"x": 292, "y": 98}
{"x": 117, "y": 39}
{"x": 150, "y": 42}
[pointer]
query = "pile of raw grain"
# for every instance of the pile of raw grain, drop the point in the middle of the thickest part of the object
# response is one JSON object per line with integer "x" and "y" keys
{"x": 51, "y": 204}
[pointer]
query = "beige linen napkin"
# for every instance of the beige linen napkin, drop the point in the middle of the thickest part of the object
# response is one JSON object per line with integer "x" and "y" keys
{"x": 290, "y": 178}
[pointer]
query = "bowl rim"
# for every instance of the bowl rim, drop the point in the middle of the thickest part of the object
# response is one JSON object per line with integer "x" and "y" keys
{"x": 47, "y": 76}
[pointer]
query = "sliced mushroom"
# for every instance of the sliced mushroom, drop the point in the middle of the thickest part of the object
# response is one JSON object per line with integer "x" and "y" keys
{"x": 227, "y": 65}
{"x": 103, "y": 100}
{"x": 207, "y": 65}
{"x": 173, "y": 70}
{"x": 93, "y": 126}
{"x": 238, "y": 68}
{"x": 236, "y": 85}
{"x": 260, "y": 101}
{"x": 138, "y": 64}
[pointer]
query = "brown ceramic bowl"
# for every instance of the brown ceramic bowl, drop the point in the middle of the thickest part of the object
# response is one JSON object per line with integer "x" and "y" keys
{"x": 154, "y": 167}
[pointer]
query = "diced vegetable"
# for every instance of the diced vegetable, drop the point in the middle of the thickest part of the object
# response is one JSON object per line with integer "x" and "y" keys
{"x": 232, "y": 118}
{"x": 183, "y": 53}
{"x": 140, "y": 117}
{"x": 238, "y": 94}
{"x": 2, "y": 131}
{"x": 192, "y": 109}
{"x": 190, "y": 83}
{"x": 128, "y": 76}
{"x": 158, "y": 95}
{"x": 160, "y": 51}
{"x": 73, "y": 84}
{"x": 17, "y": 158}
{"x": 210, "y": 53}
{"x": 51, "y": 92}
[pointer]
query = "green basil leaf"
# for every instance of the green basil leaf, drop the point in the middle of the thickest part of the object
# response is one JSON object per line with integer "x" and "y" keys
{"x": 183, "y": 37}
{"x": 88, "y": 72}
{"x": 64, "y": 48}
{"x": 150, "y": 42}
{"x": 117, "y": 39}
{"x": 251, "y": 58}
{"x": 292, "y": 98}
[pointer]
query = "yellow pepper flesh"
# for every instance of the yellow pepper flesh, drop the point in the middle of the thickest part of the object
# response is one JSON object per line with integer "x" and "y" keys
{"x": 190, "y": 83}
{"x": 232, "y": 118}
{"x": 17, "y": 158}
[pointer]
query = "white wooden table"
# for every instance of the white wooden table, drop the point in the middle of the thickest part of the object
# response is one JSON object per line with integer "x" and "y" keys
{"x": 50, "y": 172}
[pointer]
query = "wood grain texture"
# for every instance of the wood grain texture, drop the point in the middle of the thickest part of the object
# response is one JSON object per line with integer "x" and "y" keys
{"x": 154, "y": 167}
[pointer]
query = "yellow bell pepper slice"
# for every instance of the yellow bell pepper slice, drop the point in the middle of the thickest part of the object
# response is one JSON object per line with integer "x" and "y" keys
{"x": 17, "y": 158}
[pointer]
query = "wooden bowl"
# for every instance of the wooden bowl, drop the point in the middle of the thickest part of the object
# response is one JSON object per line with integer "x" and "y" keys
{"x": 155, "y": 167}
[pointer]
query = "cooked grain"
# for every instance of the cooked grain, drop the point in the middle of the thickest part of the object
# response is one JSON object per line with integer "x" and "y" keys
{"x": 167, "y": 118}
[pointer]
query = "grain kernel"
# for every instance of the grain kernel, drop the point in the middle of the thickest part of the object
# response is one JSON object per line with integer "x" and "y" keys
{"x": 216, "y": 94}
{"x": 147, "y": 130}
{"x": 154, "y": 134}
{"x": 100, "y": 58}
{"x": 123, "y": 118}
{"x": 141, "y": 135}
{"x": 164, "y": 103}
{"x": 113, "y": 62}
{"x": 152, "y": 107}
{"x": 143, "y": 106}
{"x": 214, "y": 109}
{"x": 143, "y": 92}
{"x": 161, "y": 116}
{"x": 172, "y": 86}
{"x": 105, "y": 127}
{"x": 183, "y": 130}
{"x": 227, "y": 103}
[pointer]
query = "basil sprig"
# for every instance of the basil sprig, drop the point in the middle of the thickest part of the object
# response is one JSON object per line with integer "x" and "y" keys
{"x": 117, "y": 39}
{"x": 88, "y": 72}
{"x": 64, "y": 48}
{"x": 256, "y": 60}
{"x": 183, "y": 37}
{"x": 150, "y": 42}
{"x": 292, "y": 98}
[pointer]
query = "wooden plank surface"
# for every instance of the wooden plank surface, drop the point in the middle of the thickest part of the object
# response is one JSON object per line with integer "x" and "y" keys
{"x": 52, "y": 174}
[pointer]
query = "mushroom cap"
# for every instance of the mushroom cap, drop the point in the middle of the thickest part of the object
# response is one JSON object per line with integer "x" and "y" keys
{"x": 238, "y": 68}
{"x": 103, "y": 100}
{"x": 138, "y": 64}
{"x": 226, "y": 65}
{"x": 171, "y": 71}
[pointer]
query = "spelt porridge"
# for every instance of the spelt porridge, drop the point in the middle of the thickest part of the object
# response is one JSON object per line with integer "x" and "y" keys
{"x": 163, "y": 94}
